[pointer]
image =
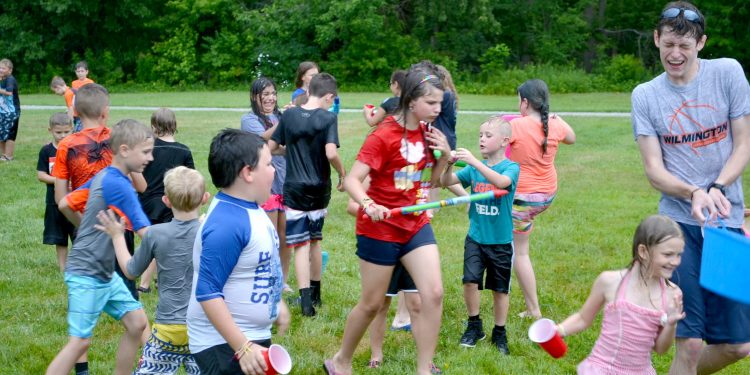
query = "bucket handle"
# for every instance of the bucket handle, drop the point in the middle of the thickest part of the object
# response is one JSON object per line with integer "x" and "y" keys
{"x": 718, "y": 220}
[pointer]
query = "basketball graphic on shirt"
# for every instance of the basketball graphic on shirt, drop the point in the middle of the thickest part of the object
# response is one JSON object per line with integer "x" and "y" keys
{"x": 684, "y": 127}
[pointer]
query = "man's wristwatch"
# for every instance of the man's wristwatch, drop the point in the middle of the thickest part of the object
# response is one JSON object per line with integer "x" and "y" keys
{"x": 715, "y": 185}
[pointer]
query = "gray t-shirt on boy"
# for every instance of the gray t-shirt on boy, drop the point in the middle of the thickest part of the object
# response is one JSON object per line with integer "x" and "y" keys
{"x": 171, "y": 244}
{"x": 693, "y": 125}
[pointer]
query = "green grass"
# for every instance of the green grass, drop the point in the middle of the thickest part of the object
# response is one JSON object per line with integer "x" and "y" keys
{"x": 603, "y": 195}
{"x": 597, "y": 102}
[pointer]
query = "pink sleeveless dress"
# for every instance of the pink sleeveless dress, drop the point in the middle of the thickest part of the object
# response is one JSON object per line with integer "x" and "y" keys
{"x": 628, "y": 336}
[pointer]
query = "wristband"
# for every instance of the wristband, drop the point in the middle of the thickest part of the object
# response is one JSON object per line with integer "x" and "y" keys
{"x": 562, "y": 330}
{"x": 247, "y": 347}
{"x": 715, "y": 185}
{"x": 366, "y": 202}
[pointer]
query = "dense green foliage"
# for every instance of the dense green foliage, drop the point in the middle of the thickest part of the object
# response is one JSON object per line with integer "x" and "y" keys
{"x": 490, "y": 46}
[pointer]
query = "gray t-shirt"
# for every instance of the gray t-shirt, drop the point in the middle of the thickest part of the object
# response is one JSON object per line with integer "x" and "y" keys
{"x": 251, "y": 123}
{"x": 93, "y": 253}
{"x": 171, "y": 244}
{"x": 693, "y": 125}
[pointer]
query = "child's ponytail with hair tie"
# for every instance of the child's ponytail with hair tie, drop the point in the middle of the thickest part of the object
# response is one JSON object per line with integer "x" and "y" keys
{"x": 544, "y": 112}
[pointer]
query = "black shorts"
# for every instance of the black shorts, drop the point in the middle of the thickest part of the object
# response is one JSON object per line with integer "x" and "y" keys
{"x": 14, "y": 129}
{"x": 401, "y": 281}
{"x": 219, "y": 359}
{"x": 57, "y": 228}
{"x": 387, "y": 253}
{"x": 496, "y": 259}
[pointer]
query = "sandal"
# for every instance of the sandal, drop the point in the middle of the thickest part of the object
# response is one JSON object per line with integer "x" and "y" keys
{"x": 374, "y": 363}
{"x": 405, "y": 328}
{"x": 435, "y": 370}
{"x": 143, "y": 290}
{"x": 329, "y": 368}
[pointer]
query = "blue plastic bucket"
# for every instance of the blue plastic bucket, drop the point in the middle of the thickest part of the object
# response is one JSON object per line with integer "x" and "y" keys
{"x": 725, "y": 266}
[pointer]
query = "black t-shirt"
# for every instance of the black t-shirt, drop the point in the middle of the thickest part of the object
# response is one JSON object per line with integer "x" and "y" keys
{"x": 167, "y": 155}
{"x": 44, "y": 164}
{"x": 390, "y": 105}
{"x": 12, "y": 85}
{"x": 305, "y": 134}
{"x": 446, "y": 122}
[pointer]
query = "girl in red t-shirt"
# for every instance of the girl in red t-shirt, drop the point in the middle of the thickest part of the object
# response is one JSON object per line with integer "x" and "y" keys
{"x": 398, "y": 159}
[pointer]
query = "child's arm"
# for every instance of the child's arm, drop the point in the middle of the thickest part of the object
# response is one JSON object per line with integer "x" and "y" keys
{"x": 674, "y": 314}
{"x": 284, "y": 318}
{"x": 45, "y": 177}
{"x": 500, "y": 181}
{"x": 115, "y": 228}
{"x": 373, "y": 115}
{"x": 139, "y": 182}
{"x": 356, "y": 188}
{"x": 61, "y": 190}
{"x": 333, "y": 158}
{"x": 583, "y": 318}
{"x": 73, "y": 216}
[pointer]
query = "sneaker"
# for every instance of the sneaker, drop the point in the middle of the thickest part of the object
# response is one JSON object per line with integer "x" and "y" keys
{"x": 473, "y": 334}
{"x": 500, "y": 340}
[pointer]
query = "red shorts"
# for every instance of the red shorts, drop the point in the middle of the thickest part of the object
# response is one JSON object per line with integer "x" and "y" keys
{"x": 274, "y": 203}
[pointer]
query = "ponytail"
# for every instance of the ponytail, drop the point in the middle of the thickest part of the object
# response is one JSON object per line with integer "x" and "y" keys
{"x": 544, "y": 112}
{"x": 537, "y": 94}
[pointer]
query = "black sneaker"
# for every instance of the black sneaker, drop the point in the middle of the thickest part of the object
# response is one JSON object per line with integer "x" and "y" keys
{"x": 473, "y": 334}
{"x": 500, "y": 340}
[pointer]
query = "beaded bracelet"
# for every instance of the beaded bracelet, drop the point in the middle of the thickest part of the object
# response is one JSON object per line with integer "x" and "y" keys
{"x": 246, "y": 348}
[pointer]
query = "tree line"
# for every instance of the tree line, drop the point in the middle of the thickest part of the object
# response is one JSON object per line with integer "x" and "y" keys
{"x": 582, "y": 45}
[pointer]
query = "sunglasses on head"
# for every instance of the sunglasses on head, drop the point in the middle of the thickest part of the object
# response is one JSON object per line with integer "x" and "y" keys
{"x": 688, "y": 14}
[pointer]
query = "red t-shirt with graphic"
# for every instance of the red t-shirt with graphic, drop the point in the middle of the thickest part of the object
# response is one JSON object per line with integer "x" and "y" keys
{"x": 400, "y": 171}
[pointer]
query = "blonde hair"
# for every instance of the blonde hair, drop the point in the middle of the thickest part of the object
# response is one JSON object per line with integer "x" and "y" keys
{"x": 504, "y": 127}
{"x": 163, "y": 122}
{"x": 57, "y": 81}
{"x": 185, "y": 188}
{"x": 447, "y": 79}
{"x": 128, "y": 132}
{"x": 7, "y": 63}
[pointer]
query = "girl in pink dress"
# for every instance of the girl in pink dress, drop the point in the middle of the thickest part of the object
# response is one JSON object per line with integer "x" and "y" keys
{"x": 641, "y": 306}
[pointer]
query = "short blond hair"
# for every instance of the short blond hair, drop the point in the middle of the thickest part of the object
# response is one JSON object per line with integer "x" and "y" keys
{"x": 57, "y": 81}
{"x": 7, "y": 63}
{"x": 503, "y": 126}
{"x": 128, "y": 132}
{"x": 185, "y": 188}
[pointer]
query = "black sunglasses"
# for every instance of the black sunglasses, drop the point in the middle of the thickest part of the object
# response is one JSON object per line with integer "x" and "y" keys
{"x": 688, "y": 14}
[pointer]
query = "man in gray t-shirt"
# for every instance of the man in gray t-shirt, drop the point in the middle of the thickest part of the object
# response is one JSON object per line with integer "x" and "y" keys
{"x": 692, "y": 125}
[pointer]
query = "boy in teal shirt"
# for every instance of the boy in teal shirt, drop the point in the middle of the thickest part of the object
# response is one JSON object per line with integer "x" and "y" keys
{"x": 489, "y": 243}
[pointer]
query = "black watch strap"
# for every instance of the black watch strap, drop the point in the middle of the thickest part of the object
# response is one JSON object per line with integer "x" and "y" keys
{"x": 715, "y": 185}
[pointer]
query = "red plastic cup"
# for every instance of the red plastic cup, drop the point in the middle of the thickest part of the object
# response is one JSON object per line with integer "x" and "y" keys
{"x": 544, "y": 332}
{"x": 370, "y": 106}
{"x": 278, "y": 360}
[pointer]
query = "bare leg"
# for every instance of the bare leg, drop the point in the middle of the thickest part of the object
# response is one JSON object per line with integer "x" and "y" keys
{"x": 402, "y": 317}
{"x": 374, "y": 280}
{"x": 147, "y": 275}
{"x": 2, "y": 147}
{"x": 10, "y": 147}
{"x": 62, "y": 256}
{"x": 284, "y": 251}
{"x": 377, "y": 331}
{"x": 687, "y": 354}
{"x": 501, "y": 303}
{"x": 471, "y": 298}
{"x": 715, "y": 357}
{"x": 316, "y": 261}
{"x": 525, "y": 273}
{"x": 67, "y": 357}
{"x": 423, "y": 264}
{"x": 302, "y": 265}
{"x": 135, "y": 323}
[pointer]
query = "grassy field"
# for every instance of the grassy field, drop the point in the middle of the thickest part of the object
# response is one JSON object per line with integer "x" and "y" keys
{"x": 603, "y": 194}
{"x": 597, "y": 102}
